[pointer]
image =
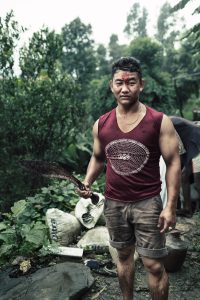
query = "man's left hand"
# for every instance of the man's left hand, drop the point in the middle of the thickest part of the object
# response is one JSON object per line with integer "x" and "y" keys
{"x": 167, "y": 219}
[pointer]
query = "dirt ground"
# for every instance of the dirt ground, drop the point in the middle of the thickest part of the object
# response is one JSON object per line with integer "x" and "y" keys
{"x": 184, "y": 284}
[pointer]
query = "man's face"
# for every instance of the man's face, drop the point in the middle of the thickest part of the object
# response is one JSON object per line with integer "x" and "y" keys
{"x": 126, "y": 87}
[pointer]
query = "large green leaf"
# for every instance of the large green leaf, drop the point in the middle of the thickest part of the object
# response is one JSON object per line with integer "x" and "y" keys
{"x": 6, "y": 249}
{"x": 2, "y": 226}
{"x": 18, "y": 207}
{"x": 37, "y": 234}
{"x": 8, "y": 236}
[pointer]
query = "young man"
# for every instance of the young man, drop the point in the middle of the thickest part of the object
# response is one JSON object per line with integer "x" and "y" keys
{"x": 131, "y": 138}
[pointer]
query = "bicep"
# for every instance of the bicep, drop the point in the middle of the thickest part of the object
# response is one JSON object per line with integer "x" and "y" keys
{"x": 98, "y": 153}
{"x": 168, "y": 140}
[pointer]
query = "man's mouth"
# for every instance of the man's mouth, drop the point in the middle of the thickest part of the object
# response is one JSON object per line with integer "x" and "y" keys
{"x": 124, "y": 97}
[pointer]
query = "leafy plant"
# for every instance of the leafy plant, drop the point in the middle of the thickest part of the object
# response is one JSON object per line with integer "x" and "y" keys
{"x": 24, "y": 231}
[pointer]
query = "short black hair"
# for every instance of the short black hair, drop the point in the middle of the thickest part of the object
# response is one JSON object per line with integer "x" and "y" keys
{"x": 130, "y": 64}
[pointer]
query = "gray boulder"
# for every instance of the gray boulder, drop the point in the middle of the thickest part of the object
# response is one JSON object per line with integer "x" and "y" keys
{"x": 63, "y": 281}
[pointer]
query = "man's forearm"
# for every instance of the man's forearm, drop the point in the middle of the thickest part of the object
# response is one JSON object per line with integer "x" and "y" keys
{"x": 95, "y": 167}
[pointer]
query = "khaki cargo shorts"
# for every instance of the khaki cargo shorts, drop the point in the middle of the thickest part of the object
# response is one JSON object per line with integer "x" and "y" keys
{"x": 136, "y": 224}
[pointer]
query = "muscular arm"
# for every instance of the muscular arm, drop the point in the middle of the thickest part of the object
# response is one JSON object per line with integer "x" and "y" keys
{"x": 170, "y": 152}
{"x": 96, "y": 164}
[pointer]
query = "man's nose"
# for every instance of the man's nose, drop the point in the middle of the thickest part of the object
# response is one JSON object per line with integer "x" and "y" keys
{"x": 125, "y": 87}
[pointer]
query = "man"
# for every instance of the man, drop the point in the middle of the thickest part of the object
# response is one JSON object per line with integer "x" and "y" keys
{"x": 189, "y": 133}
{"x": 131, "y": 139}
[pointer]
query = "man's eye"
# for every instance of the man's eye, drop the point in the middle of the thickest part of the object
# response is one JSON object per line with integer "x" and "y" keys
{"x": 132, "y": 82}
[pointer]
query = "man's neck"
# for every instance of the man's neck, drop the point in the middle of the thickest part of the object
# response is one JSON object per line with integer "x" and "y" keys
{"x": 134, "y": 108}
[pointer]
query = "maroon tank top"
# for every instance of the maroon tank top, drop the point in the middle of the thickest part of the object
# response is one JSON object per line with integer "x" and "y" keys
{"x": 132, "y": 171}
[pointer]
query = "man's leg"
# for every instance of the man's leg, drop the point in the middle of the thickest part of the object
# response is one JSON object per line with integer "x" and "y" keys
{"x": 125, "y": 269}
{"x": 157, "y": 278}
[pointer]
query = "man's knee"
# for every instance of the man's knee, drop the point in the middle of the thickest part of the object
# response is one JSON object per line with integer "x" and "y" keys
{"x": 125, "y": 253}
{"x": 155, "y": 267}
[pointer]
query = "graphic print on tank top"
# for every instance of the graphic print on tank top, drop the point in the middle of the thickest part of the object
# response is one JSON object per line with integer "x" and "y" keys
{"x": 127, "y": 156}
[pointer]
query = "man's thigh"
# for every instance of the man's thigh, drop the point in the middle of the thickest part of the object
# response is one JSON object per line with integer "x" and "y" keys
{"x": 150, "y": 242}
{"x": 121, "y": 232}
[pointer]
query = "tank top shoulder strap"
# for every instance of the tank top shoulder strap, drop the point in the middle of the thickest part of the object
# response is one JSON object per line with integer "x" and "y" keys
{"x": 104, "y": 118}
{"x": 155, "y": 117}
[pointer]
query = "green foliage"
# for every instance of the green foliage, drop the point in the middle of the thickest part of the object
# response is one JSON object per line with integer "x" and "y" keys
{"x": 115, "y": 49}
{"x": 103, "y": 67}
{"x": 59, "y": 194}
{"x": 148, "y": 51}
{"x": 136, "y": 22}
{"x": 101, "y": 99}
{"x": 159, "y": 90}
{"x": 47, "y": 112}
{"x": 188, "y": 73}
{"x": 40, "y": 115}
{"x": 159, "y": 94}
{"x": 37, "y": 118}
{"x": 44, "y": 112}
{"x": 78, "y": 58}
{"x": 19, "y": 238}
{"x": 9, "y": 36}
{"x": 180, "y": 5}
{"x": 188, "y": 70}
{"x": 166, "y": 24}
{"x": 77, "y": 154}
{"x": 186, "y": 86}
{"x": 192, "y": 103}
{"x": 23, "y": 231}
{"x": 194, "y": 32}
{"x": 42, "y": 53}
{"x": 169, "y": 36}
{"x": 189, "y": 56}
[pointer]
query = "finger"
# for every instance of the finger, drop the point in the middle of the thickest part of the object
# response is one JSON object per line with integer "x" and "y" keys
{"x": 160, "y": 222}
{"x": 165, "y": 227}
{"x": 84, "y": 193}
{"x": 163, "y": 230}
{"x": 87, "y": 186}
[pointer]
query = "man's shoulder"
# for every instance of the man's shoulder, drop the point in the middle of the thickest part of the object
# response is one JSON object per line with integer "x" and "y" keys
{"x": 154, "y": 115}
{"x": 154, "y": 111}
{"x": 107, "y": 114}
{"x": 106, "y": 118}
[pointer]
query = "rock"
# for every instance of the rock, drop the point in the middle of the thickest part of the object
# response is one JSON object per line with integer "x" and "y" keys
{"x": 95, "y": 239}
{"x": 64, "y": 281}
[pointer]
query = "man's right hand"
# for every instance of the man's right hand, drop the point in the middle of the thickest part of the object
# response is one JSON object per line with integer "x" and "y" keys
{"x": 87, "y": 193}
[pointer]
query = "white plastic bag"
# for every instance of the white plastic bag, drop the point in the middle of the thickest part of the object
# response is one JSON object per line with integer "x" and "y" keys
{"x": 63, "y": 227}
{"x": 88, "y": 213}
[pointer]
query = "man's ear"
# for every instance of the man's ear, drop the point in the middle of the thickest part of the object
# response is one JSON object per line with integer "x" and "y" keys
{"x": 111, "y": 85}
{"x": 141, "y": 85}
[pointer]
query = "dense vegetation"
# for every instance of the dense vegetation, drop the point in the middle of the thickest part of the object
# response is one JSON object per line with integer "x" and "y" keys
{"x": 47, "y": 110}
